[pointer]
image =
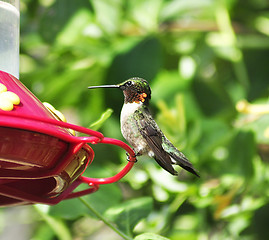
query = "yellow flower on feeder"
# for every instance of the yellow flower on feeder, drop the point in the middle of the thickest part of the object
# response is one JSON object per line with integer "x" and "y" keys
{"x": 8, "y": 99}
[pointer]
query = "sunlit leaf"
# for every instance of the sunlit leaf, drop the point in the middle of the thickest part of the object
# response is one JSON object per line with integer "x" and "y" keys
{"x": 146, "y": 13}
{"x": 108, "y": 17}
{"x": 150, "y": 236}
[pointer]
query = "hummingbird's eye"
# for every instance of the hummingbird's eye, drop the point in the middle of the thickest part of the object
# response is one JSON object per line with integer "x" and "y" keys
{"x": 129, "y": 83}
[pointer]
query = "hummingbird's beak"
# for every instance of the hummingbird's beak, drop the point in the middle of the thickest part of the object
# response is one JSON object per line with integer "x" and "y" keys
{"x": 104, "y": 86}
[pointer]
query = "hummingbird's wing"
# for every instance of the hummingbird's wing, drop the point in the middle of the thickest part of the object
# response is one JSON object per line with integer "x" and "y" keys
{"x": 149, "y": 130}
{"x": 155, "y": 139}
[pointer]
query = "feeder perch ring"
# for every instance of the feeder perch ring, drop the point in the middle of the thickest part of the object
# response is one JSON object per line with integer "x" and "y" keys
{"x": 41, "y": 161}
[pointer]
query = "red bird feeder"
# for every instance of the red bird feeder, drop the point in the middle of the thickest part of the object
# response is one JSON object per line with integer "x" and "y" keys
{"x": 41, "y": 161}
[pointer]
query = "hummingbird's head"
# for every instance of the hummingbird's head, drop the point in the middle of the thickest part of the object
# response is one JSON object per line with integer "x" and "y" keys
{"x": 136, "y": 90}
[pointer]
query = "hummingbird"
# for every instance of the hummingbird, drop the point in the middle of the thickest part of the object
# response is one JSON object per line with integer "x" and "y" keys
{"x": 140, "y": 129}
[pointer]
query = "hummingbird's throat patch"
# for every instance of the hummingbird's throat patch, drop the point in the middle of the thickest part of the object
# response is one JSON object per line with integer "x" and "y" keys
{"x": 141, "y": 98}
{"x": 135, "y": 97}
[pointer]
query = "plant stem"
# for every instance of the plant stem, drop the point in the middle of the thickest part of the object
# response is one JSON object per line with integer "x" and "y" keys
{"x": 98, "y": 215}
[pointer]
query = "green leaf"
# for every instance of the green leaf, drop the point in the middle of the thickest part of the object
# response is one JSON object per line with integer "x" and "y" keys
{"x": 43, "y": 232}
{"x": 258, "y": 126}
{"x": 72, "y": 209}
{"x": 68, "y": 209}
{"x": 129, "y": 213}
{"x": 58, "y": 15}
{"x": 108, "y": 14}
{"x": 175, "y": 8}
{"x": 146, "y": 13}
{"x": 150, "y": 236}
{"x": 167, "y": 84}
{"x": 75, "y": 28}
{"x": 105, "y": 115}
{"x": 242, "y": 150}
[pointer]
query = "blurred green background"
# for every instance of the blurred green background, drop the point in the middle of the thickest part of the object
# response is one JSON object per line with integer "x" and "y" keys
{"x": 207, "y": 64}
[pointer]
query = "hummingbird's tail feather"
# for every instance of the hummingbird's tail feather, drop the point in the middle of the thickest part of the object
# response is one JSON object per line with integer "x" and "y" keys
{"x": 183, "y": 162}
{"x": 166, "y": 164}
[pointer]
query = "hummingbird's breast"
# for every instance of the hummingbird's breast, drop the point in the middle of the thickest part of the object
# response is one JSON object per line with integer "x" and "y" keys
{"x": 130, "y": 127}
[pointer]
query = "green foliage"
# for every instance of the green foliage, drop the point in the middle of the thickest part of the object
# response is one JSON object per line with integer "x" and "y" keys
{"x": 127, "y": 215}
{"x": 57, "y": 225}
{"x": 97, "y": 124}
{"x": 201, "y": 58}
{"x": 72, "y": 209}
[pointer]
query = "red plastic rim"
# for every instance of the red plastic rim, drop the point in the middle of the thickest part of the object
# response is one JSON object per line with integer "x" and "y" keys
{"x": 92, "y": 137}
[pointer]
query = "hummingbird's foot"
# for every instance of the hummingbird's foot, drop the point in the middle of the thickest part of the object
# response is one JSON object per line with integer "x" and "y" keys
{"x": 128, "y": 158}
